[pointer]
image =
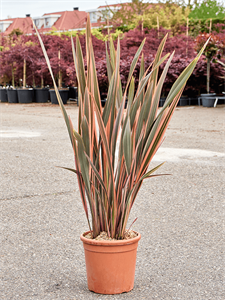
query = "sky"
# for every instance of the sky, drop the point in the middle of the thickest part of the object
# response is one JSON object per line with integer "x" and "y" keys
{"x": 36, "y": 8}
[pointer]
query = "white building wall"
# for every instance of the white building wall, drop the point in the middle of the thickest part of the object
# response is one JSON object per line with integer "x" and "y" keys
{"x": 4, "y": 25}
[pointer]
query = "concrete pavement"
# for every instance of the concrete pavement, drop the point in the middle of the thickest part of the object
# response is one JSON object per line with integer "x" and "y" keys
{"x": 180, "y": 217}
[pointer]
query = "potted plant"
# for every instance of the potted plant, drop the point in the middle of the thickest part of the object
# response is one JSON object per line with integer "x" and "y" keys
{"x": 59, "y": 66}
{"x": 8, "y": 71}
{"x": 209, "y": 52}
{"x": 25, "y": 94}
{"x": 41, "y": 94}
{"x": 3, "y": 80}
{"x": 3, "y": 95}
{"x": 221, "y": 56}
{"x": 3, "y": 77}
{"x": 12, "y": 95}
{"x": 109, "y": 182}
{"x": 71, "y": 82}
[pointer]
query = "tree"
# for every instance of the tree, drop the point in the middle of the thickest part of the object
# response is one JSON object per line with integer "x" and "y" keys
{"x": 210, "y": 51}
{"x": 16, "y": 32}
{"x": 128, "y": 12}
{"x": 209, "y": 9}
{"x": 169, "y": 16}
{"x": 183, "y": 3}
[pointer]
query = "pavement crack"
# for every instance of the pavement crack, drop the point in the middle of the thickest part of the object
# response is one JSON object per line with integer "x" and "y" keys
{"x": 36, "y": 195}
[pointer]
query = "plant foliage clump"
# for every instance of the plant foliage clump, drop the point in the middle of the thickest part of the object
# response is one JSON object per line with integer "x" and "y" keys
{"x": 209, "y": 9}
{"x": 113, "y": 147}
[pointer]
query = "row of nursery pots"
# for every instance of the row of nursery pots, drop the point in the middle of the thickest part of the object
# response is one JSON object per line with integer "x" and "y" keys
{"x": 30, "y": 95}
{"x": 207, "y": 100}
{"x": 44, "y": 95}
{"x": 182, "y": 102}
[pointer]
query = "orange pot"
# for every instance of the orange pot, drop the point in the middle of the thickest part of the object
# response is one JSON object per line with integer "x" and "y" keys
{"x": 110, "y": 265}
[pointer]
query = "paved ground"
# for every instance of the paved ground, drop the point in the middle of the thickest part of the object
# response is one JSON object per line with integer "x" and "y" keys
{"x": 180, "y": 217}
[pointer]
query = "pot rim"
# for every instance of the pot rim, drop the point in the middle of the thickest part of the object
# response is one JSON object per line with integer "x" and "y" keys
{"x": 208, "y": 94}
{"x": 109, "y": 243}
{"x": 63, "y": 89}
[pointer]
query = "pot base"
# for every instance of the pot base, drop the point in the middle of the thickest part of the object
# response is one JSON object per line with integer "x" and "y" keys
{"x": 110, "y": 265}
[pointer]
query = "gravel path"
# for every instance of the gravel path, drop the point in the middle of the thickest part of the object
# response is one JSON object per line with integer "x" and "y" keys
{"x": 180, "y": 217}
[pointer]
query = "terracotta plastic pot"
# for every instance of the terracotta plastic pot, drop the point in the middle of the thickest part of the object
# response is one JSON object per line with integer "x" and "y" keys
{"x": 110, "y": 265}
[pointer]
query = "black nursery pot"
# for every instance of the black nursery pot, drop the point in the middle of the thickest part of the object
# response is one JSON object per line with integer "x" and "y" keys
{"x": 73, "y": 92}
{"x": 208, "y": 100}
{"x": 193, "y": 100}
{"x": 162, "y": 101}
{"x": 208, "y": 95}
{"x": 103, "y": 102}
{"x": 12, "y": 96}
{"x": 63, "y": 93}
{"x": 3, "y": 95}
{"x": 183, "y": 101}
{"x": 25, "y": 95}
{"x": 41, "y": 95}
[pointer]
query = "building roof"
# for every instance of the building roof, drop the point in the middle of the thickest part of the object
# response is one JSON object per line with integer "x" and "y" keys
{"x": 69, "y": 19}
{"x": 24, "y": 24}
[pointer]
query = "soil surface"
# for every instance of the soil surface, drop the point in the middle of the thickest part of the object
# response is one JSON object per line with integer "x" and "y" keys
{"x": 103, "y": 236}
{"x": 180, "y": 217}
